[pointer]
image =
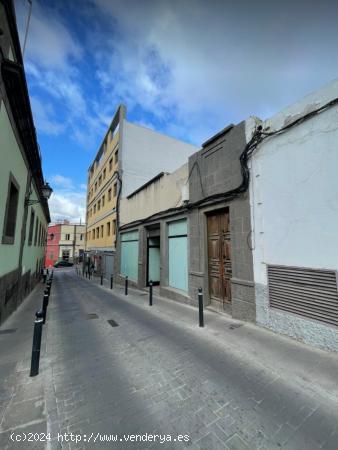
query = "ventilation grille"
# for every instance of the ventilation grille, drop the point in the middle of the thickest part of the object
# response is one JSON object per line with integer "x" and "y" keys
{"x": 308, "y": 292}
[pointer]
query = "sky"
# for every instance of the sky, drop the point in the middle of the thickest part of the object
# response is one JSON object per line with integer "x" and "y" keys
{"x": 186, "y": 68}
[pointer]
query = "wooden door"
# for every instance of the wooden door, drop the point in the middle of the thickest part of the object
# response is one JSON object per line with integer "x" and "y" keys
{"x": 219, "y": 257}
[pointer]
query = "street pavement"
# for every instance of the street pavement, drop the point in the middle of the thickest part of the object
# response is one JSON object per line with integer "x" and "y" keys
{"x": 152, "y": 374}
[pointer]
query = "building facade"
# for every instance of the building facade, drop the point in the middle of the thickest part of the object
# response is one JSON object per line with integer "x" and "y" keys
{"x": 220, "y": 258}
{"x": 24, "y": 213}
{"x": 294, "y": 210}
{"x": 153, "y": 242}
{"x": 65, "y": 242}
{"x": 128, "y": 157}
{"x": 183, "y": 231}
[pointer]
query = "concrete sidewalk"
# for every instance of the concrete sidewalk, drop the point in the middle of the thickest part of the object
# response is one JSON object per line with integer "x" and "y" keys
{"x": 22, "y": 399}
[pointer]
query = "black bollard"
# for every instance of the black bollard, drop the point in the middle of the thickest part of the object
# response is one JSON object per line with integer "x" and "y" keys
{"x": 36, "y": 344}
{"x": 111, "y": 281}
{"x": 49, "y": 285}
{"x": 45, "y": 292}
{"x": 101, "y": 279}
{"x": 44, "y": 306}
{"x": 150, "y": 293}
{"x": 44, "y": 276}
{"x": 126, "y": 286}
{"x": 200, "y": 307}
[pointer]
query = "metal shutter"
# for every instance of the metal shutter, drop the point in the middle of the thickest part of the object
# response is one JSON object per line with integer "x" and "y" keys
{"x": 308, "y": 292}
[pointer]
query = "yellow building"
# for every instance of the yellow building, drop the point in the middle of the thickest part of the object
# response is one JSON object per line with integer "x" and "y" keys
{"x": 102, "y": 192}
{"x": 128, "y": 157}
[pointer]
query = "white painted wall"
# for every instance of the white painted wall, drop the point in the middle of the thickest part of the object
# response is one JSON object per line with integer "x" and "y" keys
{"x": 294, "y": 207}
{"x": 145, "y": 153}
{"x": 164, "y": 193}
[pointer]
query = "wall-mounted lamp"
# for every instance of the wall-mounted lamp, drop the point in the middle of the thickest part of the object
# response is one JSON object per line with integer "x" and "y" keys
{"x": 46, "y": 191}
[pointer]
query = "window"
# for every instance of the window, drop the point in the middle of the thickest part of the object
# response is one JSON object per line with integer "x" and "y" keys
{"x": 36, "y": 231}
{"x": 95, "y": 208}
{"x": 104, "y": 174}
{"x": 114, "y": 226}
{"x": 94, "y": 233}
{"x": 115, "y": 189}
{"x": 97, "y": 232}
{"x": 81, "y": 237}
{"x": 40, "y": 234}
{"x": 96, "y": 186}
{"x": 99, "y": 205}
{"x": 116, "y": 156}
{"x": 102, "y": 231}
{"x": 8, "y": 233}
{"x": 110, "y": 164}
{"x": 67, "y": 237}
{"x": 108, "y": 228}
{"x": 31, "y": 227}
{"x": 65, "y": 255}
{"x": 103, "y": 200}
{"x": 100, "y": 180}
{"x": 109, "y": 195}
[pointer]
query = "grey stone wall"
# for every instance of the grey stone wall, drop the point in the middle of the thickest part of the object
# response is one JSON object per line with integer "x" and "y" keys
{"x": 213, "y": 170}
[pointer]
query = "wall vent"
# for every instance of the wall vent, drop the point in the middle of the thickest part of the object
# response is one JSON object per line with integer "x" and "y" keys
{"x": 307, "y": 292}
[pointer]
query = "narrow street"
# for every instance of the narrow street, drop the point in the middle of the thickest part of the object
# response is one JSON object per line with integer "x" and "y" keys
{"x": 228, "y": 386}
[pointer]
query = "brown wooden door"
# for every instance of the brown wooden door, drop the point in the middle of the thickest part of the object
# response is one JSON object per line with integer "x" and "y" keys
{"x": 219, "y": 257}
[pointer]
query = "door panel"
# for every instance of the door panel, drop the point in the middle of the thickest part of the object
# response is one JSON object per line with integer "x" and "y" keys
{"x": 219, "y": 257}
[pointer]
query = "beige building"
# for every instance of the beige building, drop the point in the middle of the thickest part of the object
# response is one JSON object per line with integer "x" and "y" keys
{"x": 164, "y": 191}
{"x": 72, "y": 241}
{"x": 128, "y": 157}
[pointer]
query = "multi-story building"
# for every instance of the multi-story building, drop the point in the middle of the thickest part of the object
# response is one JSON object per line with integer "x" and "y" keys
{"x": 24, "y": 213}
{"x": 128, "y": 157}
{"x": 66, "y": 242}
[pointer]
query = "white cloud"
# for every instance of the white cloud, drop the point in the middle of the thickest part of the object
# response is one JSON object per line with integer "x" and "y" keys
{"x": 67, "y": 205}
{"x": 45, "y": 117}
{"x": 213, "y": 64}
{"x": 61, "y": 181}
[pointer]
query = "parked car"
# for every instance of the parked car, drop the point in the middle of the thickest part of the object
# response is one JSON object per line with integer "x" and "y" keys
{"x": 63, "y": 264}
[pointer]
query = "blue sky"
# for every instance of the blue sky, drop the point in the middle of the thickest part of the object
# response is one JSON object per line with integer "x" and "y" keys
{"x": 186, "y": 68}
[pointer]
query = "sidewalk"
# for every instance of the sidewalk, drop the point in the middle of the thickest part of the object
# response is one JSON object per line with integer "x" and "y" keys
{"x": 22, "y": 404}
{"x": 312, "y": 369}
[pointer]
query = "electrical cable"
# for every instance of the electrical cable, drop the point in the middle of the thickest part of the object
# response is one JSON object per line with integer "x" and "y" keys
{"x": 257, "y": 138}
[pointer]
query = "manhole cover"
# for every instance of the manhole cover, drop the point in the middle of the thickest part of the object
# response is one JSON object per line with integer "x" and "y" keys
{"x": 112, "y": 323}
{"x": 92, "y": 316}
{"x": 8, "y": 331}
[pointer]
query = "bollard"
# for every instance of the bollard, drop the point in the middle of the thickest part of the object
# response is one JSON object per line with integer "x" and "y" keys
{"x": 45, "y": 292}
{"x": 101, "y": 279}
{"x": 150, "y": 293}
{"x": 44, "y": 276}
{"x": 111, "y": 281}
{"x": 44, "y": 306}
{"x": 126, "y": 286}
{"x": 36, "y": 344}
{"x": 49, "y": 285}
{"x": 200, "y": 307}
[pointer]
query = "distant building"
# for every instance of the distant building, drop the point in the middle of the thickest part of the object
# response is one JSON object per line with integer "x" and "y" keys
{"x": 128, "y": 157}
{"x": 65, "y": 242}
{"x": 24, "y": 213}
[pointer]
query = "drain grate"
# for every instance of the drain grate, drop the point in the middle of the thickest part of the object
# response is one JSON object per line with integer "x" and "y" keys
{"x": 8, "y": 331}
{"x": 92, "y": 316}
{"x": 112, "y": 323}
{"x": 235, "y": 325}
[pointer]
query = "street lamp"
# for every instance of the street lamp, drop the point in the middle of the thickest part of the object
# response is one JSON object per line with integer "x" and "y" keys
{"x": 46, "y": 191}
